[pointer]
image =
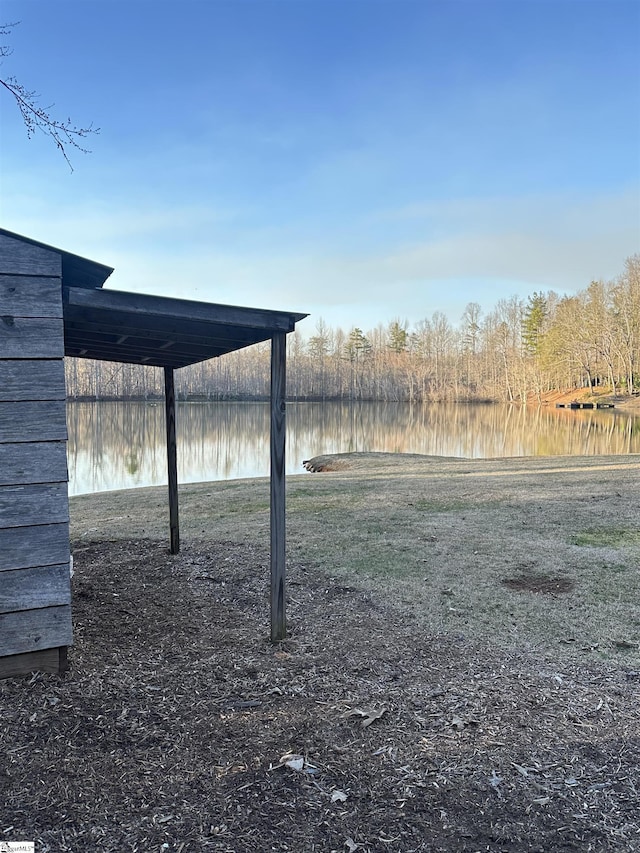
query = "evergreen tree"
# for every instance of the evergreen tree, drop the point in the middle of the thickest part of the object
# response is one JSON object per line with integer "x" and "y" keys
{"x": 533, "y": 323}
{"x": 398, "y": 337}
{"x": 357, "y": 345}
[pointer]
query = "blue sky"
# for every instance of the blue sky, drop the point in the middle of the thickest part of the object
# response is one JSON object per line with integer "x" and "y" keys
{"x": 360, "y": 160}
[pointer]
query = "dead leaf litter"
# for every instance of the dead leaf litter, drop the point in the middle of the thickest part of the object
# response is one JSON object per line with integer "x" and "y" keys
{"x": 179, "y": 727}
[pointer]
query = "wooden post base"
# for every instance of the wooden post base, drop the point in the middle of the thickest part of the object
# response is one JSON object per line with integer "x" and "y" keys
{"x": 47, "y": 660}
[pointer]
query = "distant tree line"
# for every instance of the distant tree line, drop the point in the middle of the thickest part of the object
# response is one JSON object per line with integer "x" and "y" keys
{"x": 519, "y": 349}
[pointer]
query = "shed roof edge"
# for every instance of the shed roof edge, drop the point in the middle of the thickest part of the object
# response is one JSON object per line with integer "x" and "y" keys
{"x": 77, "y": 271}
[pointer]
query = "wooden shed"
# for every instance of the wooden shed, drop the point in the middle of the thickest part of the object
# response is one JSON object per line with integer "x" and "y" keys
{"x": 51, "y": 305}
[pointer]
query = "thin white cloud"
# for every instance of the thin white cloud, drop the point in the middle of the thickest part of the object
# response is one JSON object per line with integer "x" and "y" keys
{"x": 461, "y": 250}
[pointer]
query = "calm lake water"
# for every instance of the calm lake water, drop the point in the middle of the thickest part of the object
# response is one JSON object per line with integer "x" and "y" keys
{"x": 122, "y": 445}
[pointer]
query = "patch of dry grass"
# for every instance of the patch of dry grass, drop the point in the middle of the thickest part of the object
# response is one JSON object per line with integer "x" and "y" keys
{"x": 440, "y": 536}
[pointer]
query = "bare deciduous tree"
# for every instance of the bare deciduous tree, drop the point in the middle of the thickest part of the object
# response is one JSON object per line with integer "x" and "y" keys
{"x": 588, "y": 340}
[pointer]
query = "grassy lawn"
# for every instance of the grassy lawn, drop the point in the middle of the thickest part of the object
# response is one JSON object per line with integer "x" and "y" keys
{"x": 536, "y": 552}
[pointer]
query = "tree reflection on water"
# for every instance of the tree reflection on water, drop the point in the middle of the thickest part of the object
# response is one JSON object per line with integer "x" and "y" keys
{"x": 122, "y": 445}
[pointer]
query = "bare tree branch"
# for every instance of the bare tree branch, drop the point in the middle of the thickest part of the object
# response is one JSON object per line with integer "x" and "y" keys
{"x": 36, "y": 118}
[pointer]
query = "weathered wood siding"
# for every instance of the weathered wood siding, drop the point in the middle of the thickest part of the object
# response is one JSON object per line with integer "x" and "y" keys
{"x": 26, "y": 380}
{"x": 34, "y": 630}
{"x": 31, "y": 462}
{"x": 35, "y": 597}
{"x": 42, "y": 545}
{"x": 32, "y": 421}
{"x": 33, "y": 589}
{"x": 33, "y": 338}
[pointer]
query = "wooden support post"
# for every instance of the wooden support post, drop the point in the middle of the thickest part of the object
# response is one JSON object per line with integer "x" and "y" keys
{"x": 172, "y": 462}
{"x": 278, "y": 441}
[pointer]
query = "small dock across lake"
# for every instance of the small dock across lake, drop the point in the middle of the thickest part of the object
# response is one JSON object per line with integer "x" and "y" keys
{"x": 576, "y": 405}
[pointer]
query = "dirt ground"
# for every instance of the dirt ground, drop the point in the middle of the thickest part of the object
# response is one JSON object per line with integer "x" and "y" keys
{"x": 180, "y": 727}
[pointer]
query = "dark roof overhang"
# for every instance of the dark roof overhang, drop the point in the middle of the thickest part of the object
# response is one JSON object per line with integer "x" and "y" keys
{"x": 137, "y": 328}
